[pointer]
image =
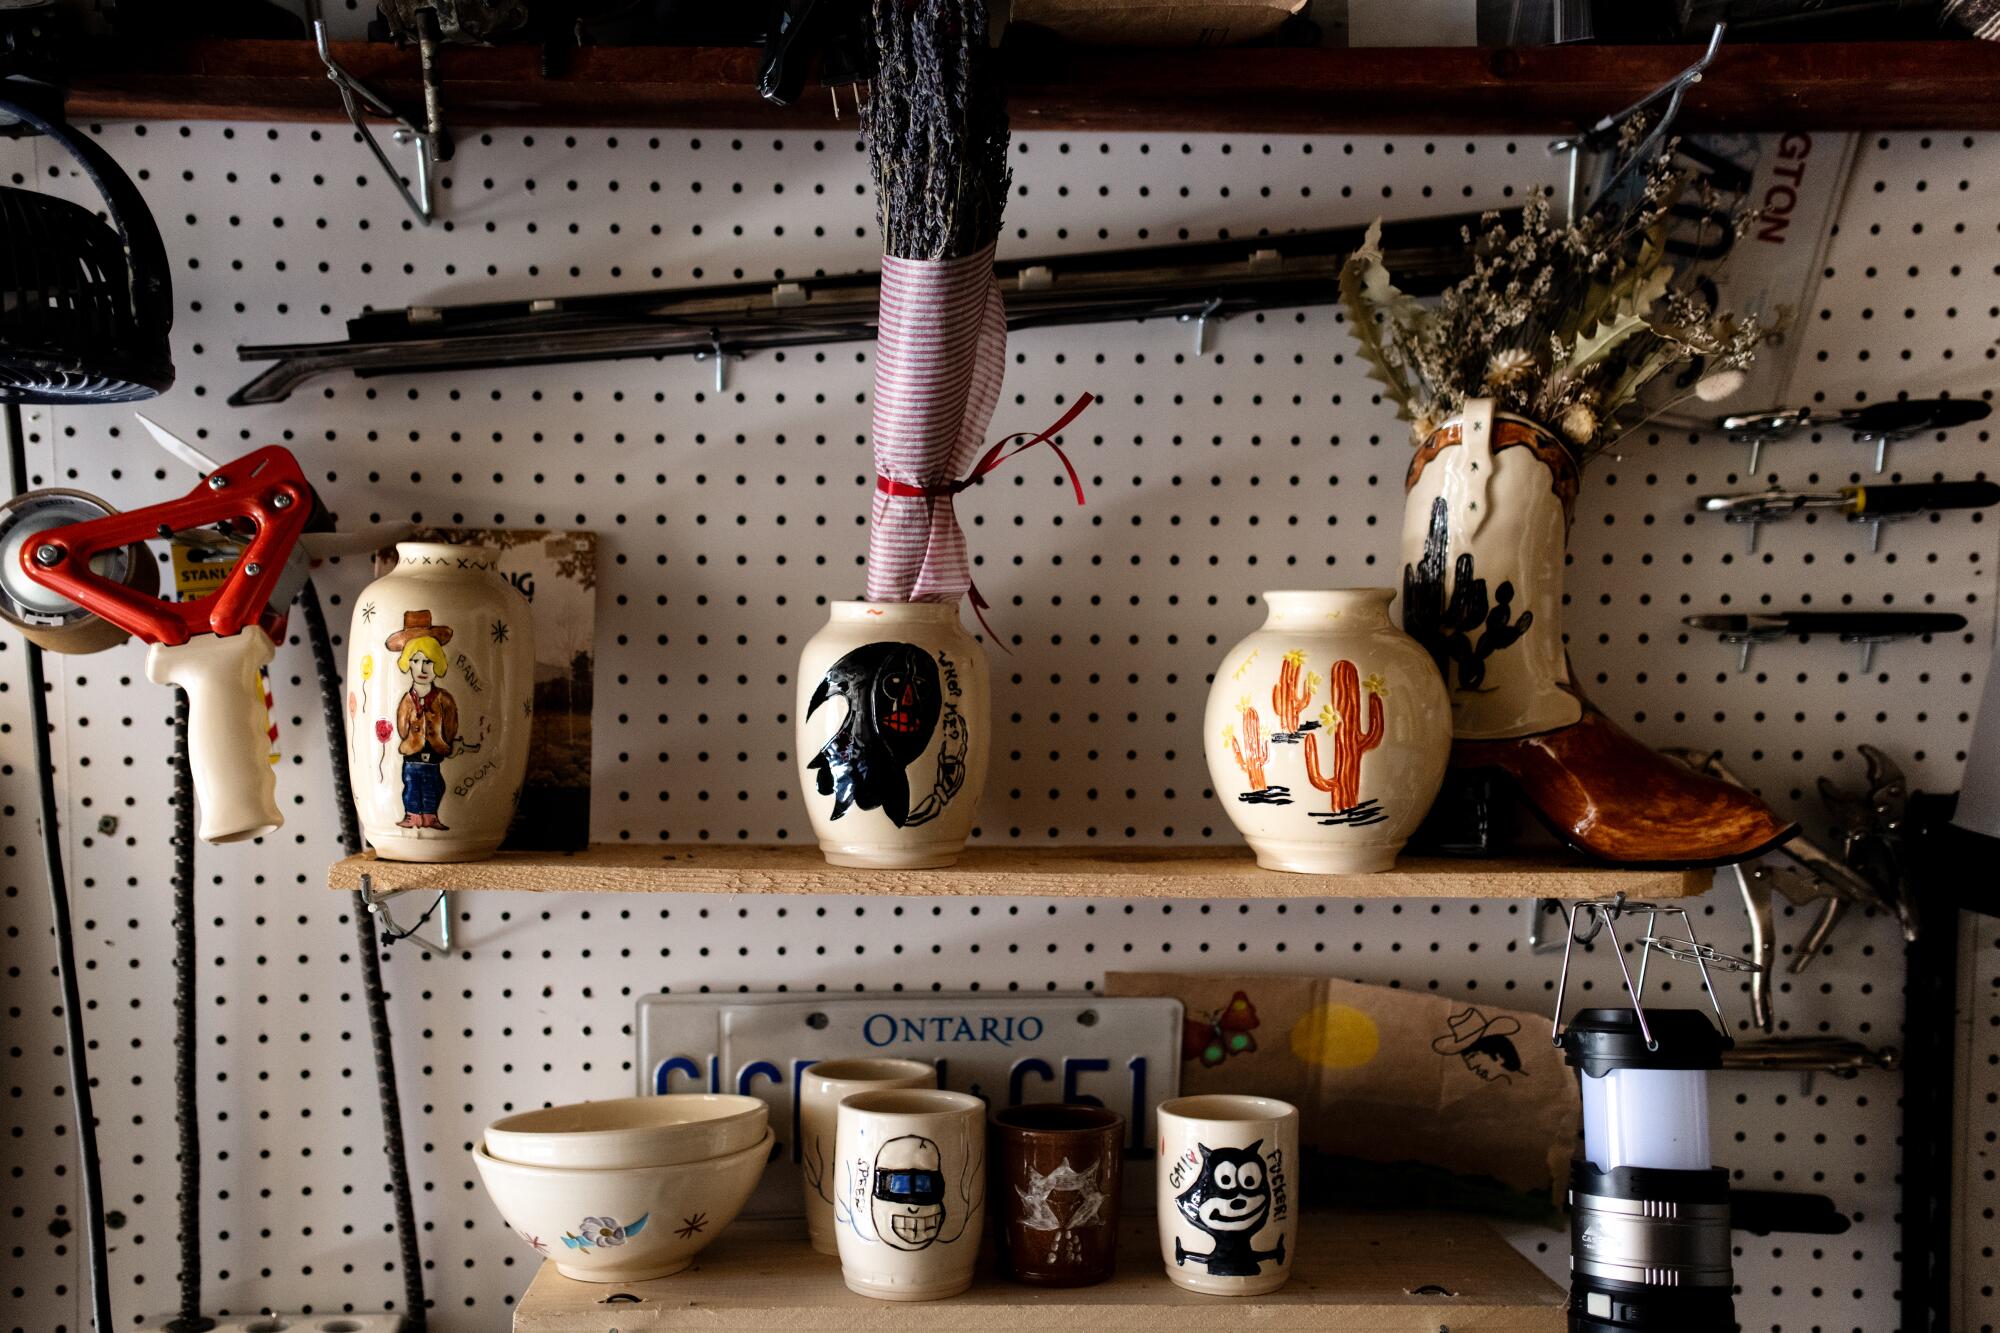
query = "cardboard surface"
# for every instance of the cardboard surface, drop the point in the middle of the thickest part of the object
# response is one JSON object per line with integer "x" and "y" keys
{"x": 1380, "y": 1073}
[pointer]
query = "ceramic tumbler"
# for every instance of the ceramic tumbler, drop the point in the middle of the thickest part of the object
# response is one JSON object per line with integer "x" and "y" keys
{"x": 820, "y": 1089}
{"x": 1057, "y": 1172}
{"x": 911, "y": 1172}
{"x": 893, "y": 733}
{"x": 1228, "y": 1218}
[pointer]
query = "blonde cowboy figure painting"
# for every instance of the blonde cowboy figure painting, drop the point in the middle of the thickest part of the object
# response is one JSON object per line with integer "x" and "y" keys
{"x": 426, "y": 718}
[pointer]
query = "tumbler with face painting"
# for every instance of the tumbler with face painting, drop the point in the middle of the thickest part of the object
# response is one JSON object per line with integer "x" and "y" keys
{"x": 1228, "y": 1218}
{"x": 821, "y": 1088}
{"x": 911, "y": 1167}
{"x": 1057, "y": 1173}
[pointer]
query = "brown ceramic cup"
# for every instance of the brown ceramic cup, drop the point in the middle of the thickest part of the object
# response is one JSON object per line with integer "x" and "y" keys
{"x": 1057, "y": 1170}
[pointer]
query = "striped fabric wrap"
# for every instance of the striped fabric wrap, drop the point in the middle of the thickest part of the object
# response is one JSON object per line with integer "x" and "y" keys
{"x": 939, "y": 360}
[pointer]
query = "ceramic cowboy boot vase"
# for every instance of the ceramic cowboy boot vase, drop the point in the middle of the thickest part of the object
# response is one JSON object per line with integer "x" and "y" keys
{"x": 1489, "y": 499}
{"x": 440, "y": 690}
{"x": 893, "y": 733}
{"x": 1327, "y": 732}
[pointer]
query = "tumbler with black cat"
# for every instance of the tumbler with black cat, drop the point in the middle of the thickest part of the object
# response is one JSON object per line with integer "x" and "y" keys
{"x": 1226, "y": 1198}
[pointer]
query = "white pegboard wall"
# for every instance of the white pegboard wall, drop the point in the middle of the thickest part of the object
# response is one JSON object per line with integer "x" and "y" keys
{"x": 727, "y": 518}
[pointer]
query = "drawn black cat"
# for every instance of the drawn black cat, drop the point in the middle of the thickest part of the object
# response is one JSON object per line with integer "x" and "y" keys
{"x": 1231, "y": 1201}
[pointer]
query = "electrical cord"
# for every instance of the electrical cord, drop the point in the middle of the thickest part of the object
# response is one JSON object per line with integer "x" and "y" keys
{"x": 72, "y": 999}
{"x": 187, "y": 1115}
{"x": 418, "y": 1311}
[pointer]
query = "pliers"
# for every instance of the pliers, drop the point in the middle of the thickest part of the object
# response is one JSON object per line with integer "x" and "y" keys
{"x": 1823, "y": 877}
{"x": 1871, "y": 825}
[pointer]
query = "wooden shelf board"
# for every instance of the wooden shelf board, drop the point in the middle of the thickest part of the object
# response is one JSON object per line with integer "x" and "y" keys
{"x": 1159, "y": 872}
{"x": 1459, "y": 90}
{"x": 1350, "y": 1272}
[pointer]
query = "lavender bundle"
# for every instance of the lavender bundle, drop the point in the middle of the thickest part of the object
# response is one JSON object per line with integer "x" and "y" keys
{"x": 936, "y": 123}
{"x": 937, "y": 143}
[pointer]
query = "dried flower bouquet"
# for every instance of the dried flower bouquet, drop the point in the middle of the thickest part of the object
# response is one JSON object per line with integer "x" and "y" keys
{"x": 1565, "y": 324}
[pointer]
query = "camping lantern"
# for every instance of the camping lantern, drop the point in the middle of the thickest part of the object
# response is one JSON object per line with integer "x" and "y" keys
{"x": 1649, "y": 1211}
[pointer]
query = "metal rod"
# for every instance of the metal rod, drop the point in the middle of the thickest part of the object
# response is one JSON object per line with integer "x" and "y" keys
{"x": 1701, "y": 962}
{"x": 1618, "y": 952}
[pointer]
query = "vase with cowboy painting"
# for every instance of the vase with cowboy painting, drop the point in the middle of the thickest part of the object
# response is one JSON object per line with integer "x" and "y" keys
{"x": 440, "y": 664}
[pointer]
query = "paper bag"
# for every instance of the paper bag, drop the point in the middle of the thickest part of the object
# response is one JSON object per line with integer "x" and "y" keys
{"x": 1381, "y": 1074}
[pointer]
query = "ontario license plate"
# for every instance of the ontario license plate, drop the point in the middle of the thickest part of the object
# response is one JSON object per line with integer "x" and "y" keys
{"x": 1120, "y": 1053}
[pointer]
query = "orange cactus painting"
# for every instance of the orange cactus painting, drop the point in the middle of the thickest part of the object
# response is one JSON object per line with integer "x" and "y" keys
{"x": 1252, "y": 752}
{"x": 1293, "y": 694}
{"x": 1340, "y": 722}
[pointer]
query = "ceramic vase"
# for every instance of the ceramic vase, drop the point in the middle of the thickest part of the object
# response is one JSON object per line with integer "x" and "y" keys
{"x": 1485, "y": 523}
{"x": 893, "y": 733}
{"x": 440, "y": 695}
{"x": 1327, "y": 733}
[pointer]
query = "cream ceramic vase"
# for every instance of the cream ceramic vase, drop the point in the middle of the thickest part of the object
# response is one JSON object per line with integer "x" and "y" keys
{"x": 440, "y": 695}
{"x": 893, "y": 733}
{"x": 1485, "y": 523}
{"x": 1327, "y": 733}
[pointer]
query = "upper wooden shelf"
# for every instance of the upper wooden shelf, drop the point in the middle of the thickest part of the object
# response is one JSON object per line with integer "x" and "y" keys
{"x": 1159, "y": 872}
{"x": 1459, "y": 90}
{"x": 1378, "y": 1273}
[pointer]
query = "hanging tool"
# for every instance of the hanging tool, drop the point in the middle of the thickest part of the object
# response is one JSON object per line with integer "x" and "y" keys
{"x": 212, "y": 646}
{"x": 1880, "y": 424}
{"x": 1873, "y": 505}
{"x": 1813, "y": 873}
{"x": 1864, "y": 628}
{"x": 1873, "y": 828}
{"x": 836, "y": 32}
{"x": 1215, "y": 279}
{"x": 1811, "y": 1055}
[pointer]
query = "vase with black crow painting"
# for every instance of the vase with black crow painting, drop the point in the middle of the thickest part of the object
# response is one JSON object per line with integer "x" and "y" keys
{"x": 893, "y": 730}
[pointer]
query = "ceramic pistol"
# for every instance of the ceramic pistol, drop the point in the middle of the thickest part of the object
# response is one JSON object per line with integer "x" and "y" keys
{"x": 213, "y": 646}
{"x": 1873, "y": 505}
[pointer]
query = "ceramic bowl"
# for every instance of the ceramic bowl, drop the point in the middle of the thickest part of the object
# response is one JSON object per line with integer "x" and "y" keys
{"x": 628, "y": 1224}
{"x": 630, "y": 1131}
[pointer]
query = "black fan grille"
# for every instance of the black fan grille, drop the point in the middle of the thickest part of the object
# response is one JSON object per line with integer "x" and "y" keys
{"x": 68, "y": 333}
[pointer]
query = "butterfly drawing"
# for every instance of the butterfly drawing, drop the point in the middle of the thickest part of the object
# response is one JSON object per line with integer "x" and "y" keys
{"x": 1222, "y": 1033}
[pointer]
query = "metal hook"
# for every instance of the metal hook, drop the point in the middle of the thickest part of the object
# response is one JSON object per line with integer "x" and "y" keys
{"x": 1606, "y": 128}
{"x": 350, "y": 89}
{"x": 378, "y": 906}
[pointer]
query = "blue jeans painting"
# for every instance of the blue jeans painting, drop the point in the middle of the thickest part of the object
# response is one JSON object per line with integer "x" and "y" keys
{"x": 423, "y": 787}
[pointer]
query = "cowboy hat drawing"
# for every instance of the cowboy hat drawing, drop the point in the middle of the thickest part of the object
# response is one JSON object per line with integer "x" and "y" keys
{"x": 417, "y": 625}
{"x": 1469, "y": 1027}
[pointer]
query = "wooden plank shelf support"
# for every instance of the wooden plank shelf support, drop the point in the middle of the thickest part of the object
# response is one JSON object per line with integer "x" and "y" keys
{"x": 1384, "y": 1273}
{"x": 1875, "y": 86}
{"x": 1159, "y": 872}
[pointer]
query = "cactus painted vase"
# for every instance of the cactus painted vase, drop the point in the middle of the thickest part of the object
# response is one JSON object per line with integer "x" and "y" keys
{"x": 1327, "y": 733}
{"x": 893, "y": 733}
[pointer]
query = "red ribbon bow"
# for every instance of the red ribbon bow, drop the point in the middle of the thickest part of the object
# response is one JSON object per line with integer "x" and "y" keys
{"x": 992, "y": 459}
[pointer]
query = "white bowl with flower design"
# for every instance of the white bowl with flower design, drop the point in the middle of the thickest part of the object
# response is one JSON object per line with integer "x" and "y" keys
{"x": 630, "y": 1131}
{"x": 625, "y": 1224}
